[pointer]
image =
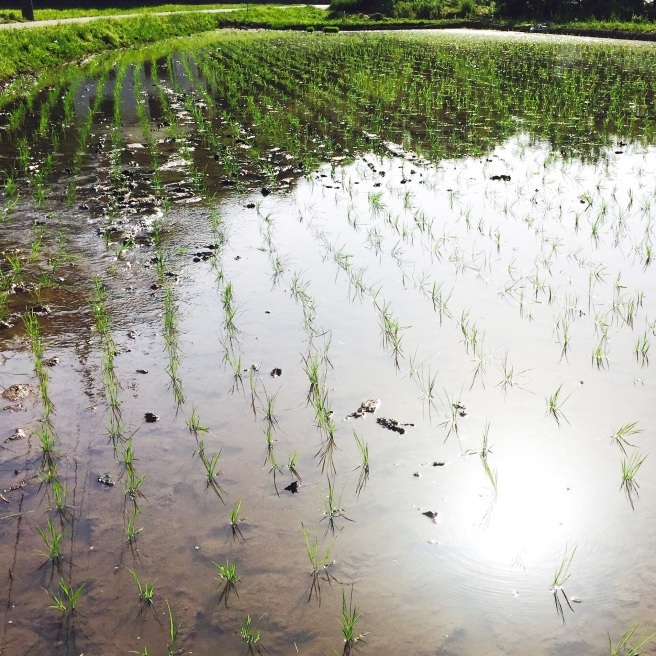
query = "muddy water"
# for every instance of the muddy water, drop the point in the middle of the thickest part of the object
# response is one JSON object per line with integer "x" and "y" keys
{"x": 542, "y": 260}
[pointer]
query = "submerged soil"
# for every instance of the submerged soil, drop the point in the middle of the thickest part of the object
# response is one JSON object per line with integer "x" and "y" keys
{"x": 401, "y": 284}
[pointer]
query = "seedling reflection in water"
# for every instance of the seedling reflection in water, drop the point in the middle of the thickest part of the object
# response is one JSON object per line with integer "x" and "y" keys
{"x": 229, "y": 577}
{"x": 560, "y": 578}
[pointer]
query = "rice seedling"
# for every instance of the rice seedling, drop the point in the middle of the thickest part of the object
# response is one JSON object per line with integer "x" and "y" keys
{"x": 631, "y": 644}
{"x": 319, "y": 565}
{"x": 620, "y": 435}
{"x": 555, "y": 404}
{"x": 131, "y": 530}
{"x": 332, "y": 510}
{"x": 193, "y": 423}
{"x": 53, "y": 540}
{"x": 59, "y": 500}
{"x": 642, "y": 349}
{"x": 268, "y": 408}
{"x": 363, "y": 448}
{"x": 561, "y": 576}
{"x": 234, "y": 519}
{"x": 350, "y": 617}
{"x": 145, "y": 590}
{"x": 173, "y": 632}
{"x": 68, "y": 598}
{"x": 291, "y": 466}
{"x": 212, "y": 473}
{"x": 251, "y": 636}
{"x": 452, "y": 409}
{"x": 630, "y": 467}
{"x": 229, "y": 577}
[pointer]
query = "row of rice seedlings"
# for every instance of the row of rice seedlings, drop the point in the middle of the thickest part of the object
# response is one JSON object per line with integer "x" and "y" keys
{"x": 82, "y": 138}
{"x": 171, "y": 344}
{"x": 45, "y": 433}
{"x": 55, "y": 532}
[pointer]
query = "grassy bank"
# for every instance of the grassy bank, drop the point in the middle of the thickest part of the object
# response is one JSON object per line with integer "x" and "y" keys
{"x": 60, "y": 14}
{"x": 28, "y": 51}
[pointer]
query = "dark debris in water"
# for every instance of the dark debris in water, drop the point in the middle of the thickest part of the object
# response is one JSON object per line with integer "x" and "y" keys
{"x": 277, "y": 372}
{"x": 393, "y": 425}
{"x": 503, "y": 177}
{"x": 293, "y": 487}
{"x": 366, "y": 407}
{"x": 151, "y": 417}
{"x": 105, "y": 479}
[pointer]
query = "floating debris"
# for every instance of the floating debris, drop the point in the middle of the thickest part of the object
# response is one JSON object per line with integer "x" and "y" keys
{"x": 431, "y": 514}
{"x": 366, "y": 407}
{"x": 142, "y": 371}
{"x": 151, "y": 417}
{"x": 105, "y": 479}
{"x": 502, "y": 177}
{"x": 275, "y": 373}
{"x": 51, "y": 362}
{"x": 393, "y": 425}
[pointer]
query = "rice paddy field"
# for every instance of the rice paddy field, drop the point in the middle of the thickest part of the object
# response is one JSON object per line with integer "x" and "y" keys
{"x": 323, "y": 344}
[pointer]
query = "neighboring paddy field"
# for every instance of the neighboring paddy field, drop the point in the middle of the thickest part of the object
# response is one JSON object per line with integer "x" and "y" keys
{"x": 324, "y": 343}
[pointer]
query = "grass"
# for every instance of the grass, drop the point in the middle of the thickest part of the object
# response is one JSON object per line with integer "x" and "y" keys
{"x": 631, "y": 644}
{"x": 52, "y": 46}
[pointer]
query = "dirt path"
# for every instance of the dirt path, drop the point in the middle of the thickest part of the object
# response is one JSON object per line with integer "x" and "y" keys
{"x": 88, "y": 19}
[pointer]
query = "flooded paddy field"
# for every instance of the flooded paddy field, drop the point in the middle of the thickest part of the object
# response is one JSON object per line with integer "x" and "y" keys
{"x": 322, "y": 344}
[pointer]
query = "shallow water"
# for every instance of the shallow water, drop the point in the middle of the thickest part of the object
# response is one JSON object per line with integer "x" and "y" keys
{"x": 538, "y": 239}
